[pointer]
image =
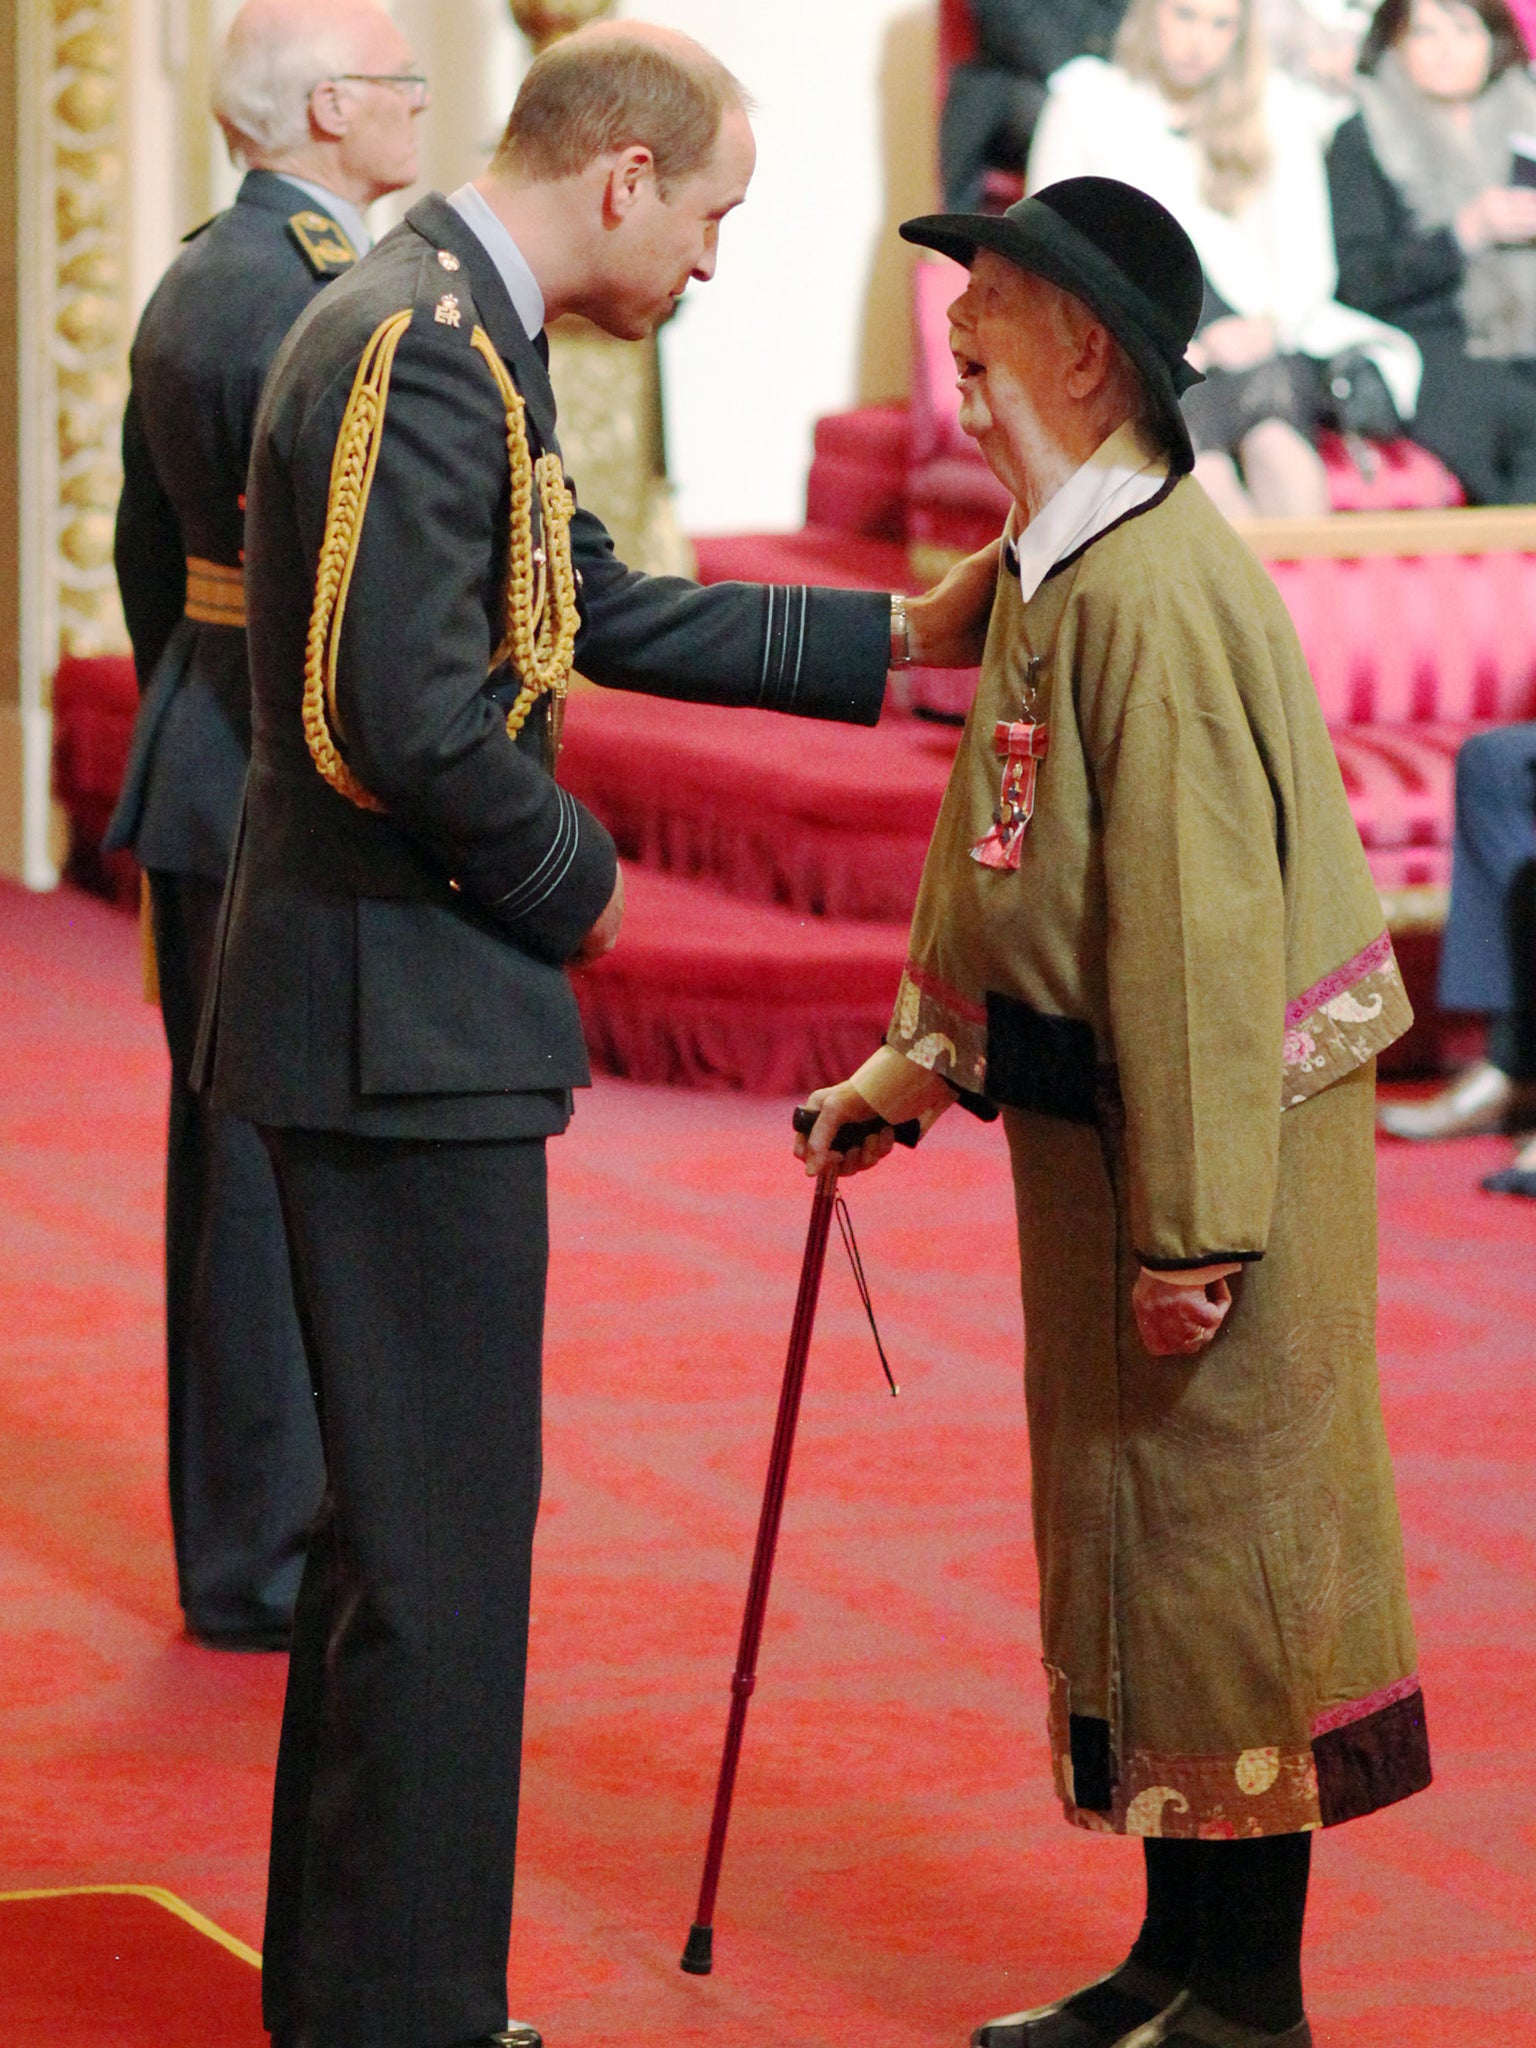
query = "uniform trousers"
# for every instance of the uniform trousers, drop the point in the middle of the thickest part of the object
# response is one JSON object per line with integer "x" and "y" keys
{"x": 244, "y": 1452}
{"x": 1488, "y": 953}
{"x": 419, "y": 1269}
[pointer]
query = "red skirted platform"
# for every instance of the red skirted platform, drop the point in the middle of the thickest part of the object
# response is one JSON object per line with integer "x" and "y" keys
{"x": 827, "y": 819}
{"x": 897, "y": 1869}
{"x": 707, "y": 991}
{"x": 128, "y": 1966}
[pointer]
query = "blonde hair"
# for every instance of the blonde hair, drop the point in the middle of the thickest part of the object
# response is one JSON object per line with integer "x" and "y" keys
{"x": 1226, "y": 117}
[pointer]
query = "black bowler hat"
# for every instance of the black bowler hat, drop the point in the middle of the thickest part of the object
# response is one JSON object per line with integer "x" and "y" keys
{"x": 1118, "y": 251}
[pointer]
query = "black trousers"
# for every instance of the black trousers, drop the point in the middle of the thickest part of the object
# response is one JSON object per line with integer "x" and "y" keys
{"x": 420, "y": 1270}
{"x": 244, "y": 1451}
{"x": 1478, "y": 415}
{"x": 1488, "y": 952}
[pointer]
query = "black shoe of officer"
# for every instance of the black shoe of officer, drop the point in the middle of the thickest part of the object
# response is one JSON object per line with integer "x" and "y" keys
{"x": 1098, "y": 2016}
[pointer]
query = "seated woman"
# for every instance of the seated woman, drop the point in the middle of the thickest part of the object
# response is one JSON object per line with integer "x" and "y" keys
{"x": 1435, "y": 234}
{"x": 1188, "y": 110}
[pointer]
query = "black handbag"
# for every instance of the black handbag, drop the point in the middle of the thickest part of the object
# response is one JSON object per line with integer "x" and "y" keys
{"x": 1356, "y": 400}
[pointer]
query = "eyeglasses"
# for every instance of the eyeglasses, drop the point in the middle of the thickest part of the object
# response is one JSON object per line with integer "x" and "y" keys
{"x": 410, "y": 83}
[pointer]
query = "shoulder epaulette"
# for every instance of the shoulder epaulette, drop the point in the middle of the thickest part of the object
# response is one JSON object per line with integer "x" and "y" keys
{"x": 443, "y": 296}
{"x": 321, "y": 242}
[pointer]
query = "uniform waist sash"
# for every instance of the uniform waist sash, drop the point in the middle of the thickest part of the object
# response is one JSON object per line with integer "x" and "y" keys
{"x": 215, "y": 593}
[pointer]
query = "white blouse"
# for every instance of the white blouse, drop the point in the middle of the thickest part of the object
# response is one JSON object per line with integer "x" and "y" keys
{"x": 1275, "y": 259}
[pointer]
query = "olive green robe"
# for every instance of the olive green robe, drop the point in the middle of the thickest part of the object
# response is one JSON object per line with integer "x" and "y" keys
{"x": 1177, "y": 997}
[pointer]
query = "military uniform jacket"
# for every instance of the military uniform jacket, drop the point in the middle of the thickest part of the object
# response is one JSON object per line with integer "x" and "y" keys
{"x": 403, "y": 973}
{"x": 200, "y": 358}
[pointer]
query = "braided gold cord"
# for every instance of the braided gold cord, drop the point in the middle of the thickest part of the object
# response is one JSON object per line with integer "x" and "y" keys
{"x": 542, "y": 618}
{"x": 352, "y": 469}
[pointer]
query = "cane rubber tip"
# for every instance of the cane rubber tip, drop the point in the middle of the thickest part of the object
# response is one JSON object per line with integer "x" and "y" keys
{"x": 699, "y": 1955}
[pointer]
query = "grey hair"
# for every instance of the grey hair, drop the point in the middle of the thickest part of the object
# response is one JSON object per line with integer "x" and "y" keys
{"x": 262, "y": 80}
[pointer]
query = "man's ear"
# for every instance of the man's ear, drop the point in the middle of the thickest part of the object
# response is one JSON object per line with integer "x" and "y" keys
{"x": 632, "y": 171}
{"x": 327, "y": 112}
{"x": 1092, "y": 361}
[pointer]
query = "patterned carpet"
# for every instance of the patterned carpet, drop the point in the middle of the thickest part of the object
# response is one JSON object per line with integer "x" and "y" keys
{"x": 896, "y": 1870}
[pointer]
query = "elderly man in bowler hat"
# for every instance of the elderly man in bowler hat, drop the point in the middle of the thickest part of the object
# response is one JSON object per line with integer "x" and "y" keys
{"x": 1146, "y": 933}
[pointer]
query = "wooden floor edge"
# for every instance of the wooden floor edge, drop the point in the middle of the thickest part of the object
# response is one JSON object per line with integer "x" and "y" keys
{"x": 160, "y": 1896}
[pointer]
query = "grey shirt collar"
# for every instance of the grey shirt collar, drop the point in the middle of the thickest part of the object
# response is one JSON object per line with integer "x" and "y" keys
{"x": 522, "y": 286}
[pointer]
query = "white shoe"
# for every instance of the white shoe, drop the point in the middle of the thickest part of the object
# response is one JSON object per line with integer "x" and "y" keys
{"x": 1481, "y": 1100}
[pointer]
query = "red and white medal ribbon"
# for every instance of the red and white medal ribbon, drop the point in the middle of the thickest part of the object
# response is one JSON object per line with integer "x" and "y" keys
{"x": 1020, "y": 745}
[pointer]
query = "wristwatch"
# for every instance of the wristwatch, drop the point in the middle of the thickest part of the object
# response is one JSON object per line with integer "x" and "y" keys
{"x": 901, "y": 633}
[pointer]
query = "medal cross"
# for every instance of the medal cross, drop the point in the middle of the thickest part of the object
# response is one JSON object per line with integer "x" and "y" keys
{"x": 1020, "y": 744}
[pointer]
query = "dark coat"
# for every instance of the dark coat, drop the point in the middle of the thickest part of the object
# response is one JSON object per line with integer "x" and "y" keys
{"x": 403, "y": 974}
{"x": 992, "y": 103}
{"x": 1477, "y": 413}
{"x": 199, "y": 360}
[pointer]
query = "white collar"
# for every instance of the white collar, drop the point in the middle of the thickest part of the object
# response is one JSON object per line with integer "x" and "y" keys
{"x": 1120, "y": 476}
{"x": 346, "y": 216}
{"x": 523, "y": 288}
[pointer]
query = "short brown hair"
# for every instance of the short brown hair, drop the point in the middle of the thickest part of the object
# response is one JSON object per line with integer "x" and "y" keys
{"x": 585, "y": 99}
{"x": 1389, "y": 25}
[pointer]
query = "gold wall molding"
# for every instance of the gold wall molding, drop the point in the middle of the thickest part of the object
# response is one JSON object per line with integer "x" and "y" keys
{"x": 85, "y": 365}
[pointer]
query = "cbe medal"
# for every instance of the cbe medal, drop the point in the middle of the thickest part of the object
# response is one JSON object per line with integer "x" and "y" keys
{"x": 1020, "y": 745}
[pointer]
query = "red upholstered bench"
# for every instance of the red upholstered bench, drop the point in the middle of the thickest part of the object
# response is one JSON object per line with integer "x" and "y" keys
{"x": 95, "y": 699}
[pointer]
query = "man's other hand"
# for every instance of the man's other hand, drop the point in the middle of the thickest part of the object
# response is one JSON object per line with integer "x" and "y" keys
{"x": 604, "y": 935}
{"x": 1178, "y": 1319}
{"x": 947, "y": 627}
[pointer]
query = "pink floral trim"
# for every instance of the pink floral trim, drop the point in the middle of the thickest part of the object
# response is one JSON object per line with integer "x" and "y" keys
{"x": 930, "y": 984}
{"x": 1375, "y": 955}
{"x": 1360, "y": 1710}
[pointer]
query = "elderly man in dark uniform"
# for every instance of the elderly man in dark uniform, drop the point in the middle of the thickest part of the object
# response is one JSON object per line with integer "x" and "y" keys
{"x": 315, "y": 97}
{"x": 392, "y": 1004}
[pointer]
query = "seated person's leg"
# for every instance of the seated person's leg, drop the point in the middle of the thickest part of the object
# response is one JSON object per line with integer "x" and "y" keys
{"x": 1284, "y": 472}
{"x": 1216, "y": 472}
{"x": 1488, "y": 953}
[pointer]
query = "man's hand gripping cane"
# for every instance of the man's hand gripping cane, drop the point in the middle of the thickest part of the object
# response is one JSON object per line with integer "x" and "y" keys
{"x": 888, "y": 1086}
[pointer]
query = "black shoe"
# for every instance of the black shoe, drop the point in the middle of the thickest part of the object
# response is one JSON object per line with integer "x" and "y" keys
{"x": 1189, "y": 2024}
{"x": 1101, "y": 2015}
{"x": 270, "y": 1635}
{"x": 1512, "y": 1180}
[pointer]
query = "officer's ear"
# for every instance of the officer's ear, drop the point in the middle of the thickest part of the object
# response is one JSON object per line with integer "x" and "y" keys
{"x": 329, "y": 114}
{"x": 631, "y": 180}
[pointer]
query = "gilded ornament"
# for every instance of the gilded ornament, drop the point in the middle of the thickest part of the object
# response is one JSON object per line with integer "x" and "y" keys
{"x": 87, "y": 540}
{"x": 88, "y": 322}
{"x": 93, "y": 270}
{"x": 94, "y": 487}
{"x": 447, "y": 314}
{"x": 544, "y": 21}
{"x": 79, "y": 209}
{"x": 88, "y": 103}
{"x": 89, "y": 49}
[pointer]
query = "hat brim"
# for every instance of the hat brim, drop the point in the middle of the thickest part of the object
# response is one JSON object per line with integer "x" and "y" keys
{"x": 1048, "y": 246}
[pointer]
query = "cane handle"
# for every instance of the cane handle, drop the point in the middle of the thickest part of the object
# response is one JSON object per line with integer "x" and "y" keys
{"x": 850, "y": 1136}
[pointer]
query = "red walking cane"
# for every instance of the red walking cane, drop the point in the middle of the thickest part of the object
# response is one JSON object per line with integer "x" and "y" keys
{"x": 698, "y": 1956}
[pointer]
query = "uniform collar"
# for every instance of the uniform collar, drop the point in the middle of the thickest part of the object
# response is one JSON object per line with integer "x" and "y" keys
{"x": 443, "y": 227}
{"x": 273, "y": 192}
{"x": 348, "y": 218}
{"x": 523, "y": 287}
{"x": 1124, "y": 473}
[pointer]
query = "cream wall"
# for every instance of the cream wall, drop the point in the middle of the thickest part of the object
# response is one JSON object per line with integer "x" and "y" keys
{"x": 808, "y": 312}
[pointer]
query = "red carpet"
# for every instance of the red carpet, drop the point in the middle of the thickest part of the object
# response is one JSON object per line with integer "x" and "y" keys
{"x": 122, "y": 1968}
{"x": 895, "y": 1870}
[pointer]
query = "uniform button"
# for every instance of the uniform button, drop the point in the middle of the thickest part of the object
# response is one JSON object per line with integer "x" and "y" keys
{"x": 447, "y": 259}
